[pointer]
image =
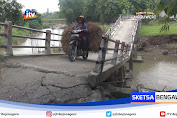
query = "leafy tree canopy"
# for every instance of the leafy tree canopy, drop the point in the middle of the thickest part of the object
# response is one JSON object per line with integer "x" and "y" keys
{"x": 106, "y": 11}
{"x": 12, "y": 11}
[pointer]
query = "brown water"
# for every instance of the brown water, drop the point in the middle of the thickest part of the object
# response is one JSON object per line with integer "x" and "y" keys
{"x": 156, "y": 72}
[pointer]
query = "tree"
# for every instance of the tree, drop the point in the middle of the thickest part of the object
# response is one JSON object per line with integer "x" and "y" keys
{"x": 106, "y": 11}
{"x": 169, "y": 6}
{"x": 11, "y": 11}
{"x": 109, "y": 10}
{"x": 71, "y": 9}
{"x": 90, "y": 10}
{"x": 51, "y": 15}
{"x": 125, "y": 7}
{"x": 36, "y": 23}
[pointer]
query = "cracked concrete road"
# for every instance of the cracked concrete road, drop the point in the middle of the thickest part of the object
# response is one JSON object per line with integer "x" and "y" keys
{"x": 52, "y": 79}
{"x": 45, "y": 79}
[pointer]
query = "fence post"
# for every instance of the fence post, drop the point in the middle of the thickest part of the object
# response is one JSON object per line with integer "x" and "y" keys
{"x": 122, "y": 51}
{"x": 115, "y": 52}
{"x": 126, "y": 49}
{"x": 135, "y": 51}
{"x": 136, "y": 40}
{"x": 136, "y": 34}
{"x": 101, "y": 55}
{"x": 138, "y": 30}
{"x": 131, "y": 66}
{"x": 47, "y": 42}
{"x": 135, "y": 46}
{"x": 8, "y": 37}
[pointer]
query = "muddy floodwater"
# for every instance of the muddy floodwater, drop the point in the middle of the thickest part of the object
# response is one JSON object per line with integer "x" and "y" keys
{"x": 156, "y": 72}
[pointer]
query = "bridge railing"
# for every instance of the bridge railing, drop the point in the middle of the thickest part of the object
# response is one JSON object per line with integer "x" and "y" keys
{"x": 122, "y": 53}
{"x": 8, "y": 35}
{"x": 114, "y": 27}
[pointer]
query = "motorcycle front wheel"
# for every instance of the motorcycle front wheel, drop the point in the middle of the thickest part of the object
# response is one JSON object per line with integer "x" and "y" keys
{"x": 72, "y": 53}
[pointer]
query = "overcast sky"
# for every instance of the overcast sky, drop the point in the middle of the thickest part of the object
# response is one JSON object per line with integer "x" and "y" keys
{"x": 40, "y": 5}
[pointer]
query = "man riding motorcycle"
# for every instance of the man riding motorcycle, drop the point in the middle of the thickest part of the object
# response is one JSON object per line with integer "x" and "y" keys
{"x": 78, "y": 45}
{"x": 82, "y": 26}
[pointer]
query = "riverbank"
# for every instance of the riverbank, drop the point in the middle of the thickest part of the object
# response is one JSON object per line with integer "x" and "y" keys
{"x": 104, "y": 27}
{"x": 16, "y": 41}
{"x": 161, "y": 43}
{"x": 53, "y": 25}
{"x": 159, "y": 52}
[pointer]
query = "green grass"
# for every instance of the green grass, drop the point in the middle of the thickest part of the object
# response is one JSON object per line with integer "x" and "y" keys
{"x": 153, "y": 29}
{"x": 19, "y": 32}
{"x": 1, "y": 40}
{"x": 16, "y": 32}
{"x": 104, "y": 26}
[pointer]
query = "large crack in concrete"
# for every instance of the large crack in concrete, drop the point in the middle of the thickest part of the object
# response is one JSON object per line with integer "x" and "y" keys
{"x": 10, "y": 65}
{"x": 65, "y": 87}
{"x": 50, "y": 88}
{"x": 27, "y": 84}
{"x": 70, "y": 90}
{"x": 35, "y": 80}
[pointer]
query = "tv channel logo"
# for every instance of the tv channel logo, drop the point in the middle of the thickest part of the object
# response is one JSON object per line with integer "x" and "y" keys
{"x": 48, "y": 114}
{"x": 30, "y": 14}
{"x": 145, "y": 15}
{"x": 108, "y": 114}
{"x": 162, "y": 114}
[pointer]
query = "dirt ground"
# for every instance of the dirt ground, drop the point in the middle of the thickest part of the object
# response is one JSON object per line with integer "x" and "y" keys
{"x": 161, "y": 45}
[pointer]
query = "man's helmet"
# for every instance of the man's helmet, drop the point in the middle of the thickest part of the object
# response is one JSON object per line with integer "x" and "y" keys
{"x": 80, "y": 18}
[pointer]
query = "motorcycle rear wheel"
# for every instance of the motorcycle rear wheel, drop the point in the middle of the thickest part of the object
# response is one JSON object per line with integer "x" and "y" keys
{"x": 85, "y": 56}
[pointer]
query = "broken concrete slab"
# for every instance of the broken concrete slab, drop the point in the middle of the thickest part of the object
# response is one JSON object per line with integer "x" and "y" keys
{"x": 29, "y": 85}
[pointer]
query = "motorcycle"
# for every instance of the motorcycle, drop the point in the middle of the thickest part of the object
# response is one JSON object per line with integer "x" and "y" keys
{"x": 75, "y": 49}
